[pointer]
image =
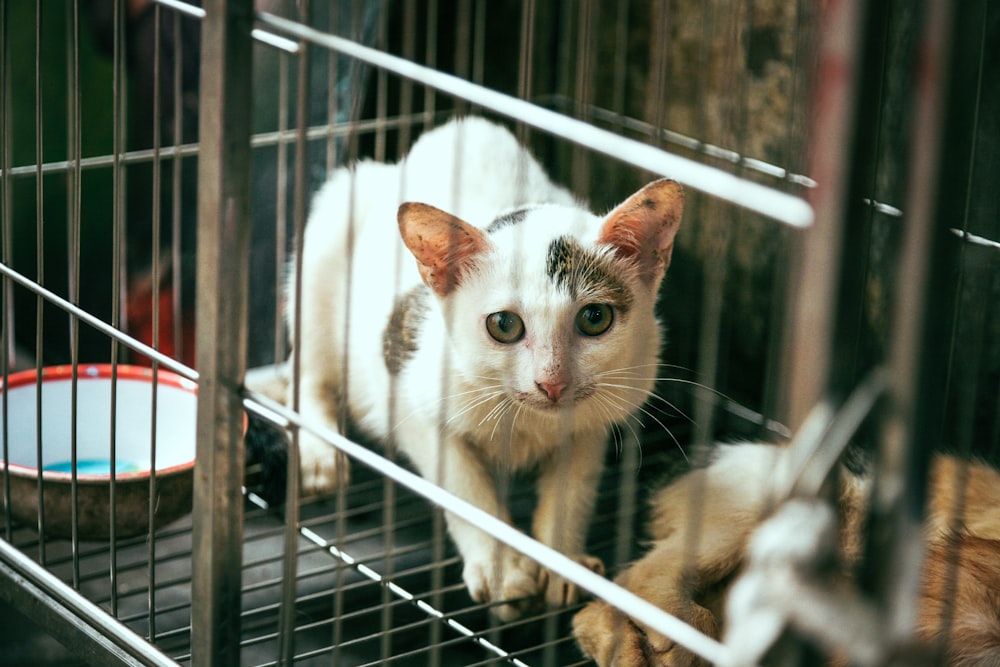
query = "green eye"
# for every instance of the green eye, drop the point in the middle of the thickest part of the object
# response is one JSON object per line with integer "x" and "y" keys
{"x": 505, "y": 327}
{"x": 594, "y": 319}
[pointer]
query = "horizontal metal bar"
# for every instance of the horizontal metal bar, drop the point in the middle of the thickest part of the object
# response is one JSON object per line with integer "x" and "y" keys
{"x": 261, "y": 36}
{"x": 129, "y": 157}
{"x": 975, "y": 239}
{"x": 682, "y": 140}
{"x": 69, "y": 616}
{"x": 138, "y": 346}
{"x": 643, "y": 611}
{"x": 769, "y": 202}
{"x": 259, "y": 140}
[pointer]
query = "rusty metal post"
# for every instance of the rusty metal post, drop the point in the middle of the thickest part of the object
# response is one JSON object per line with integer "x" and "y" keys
{"x": 223, "y": 258}
{"x": 922, "y": 327}
{"x": 815, "y": 256}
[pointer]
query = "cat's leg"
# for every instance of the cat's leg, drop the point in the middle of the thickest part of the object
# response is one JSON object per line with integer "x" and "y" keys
{"x": 492, "y": 570}
{"x": 320, "y": 357}
{"x": 722, "y": 504}
{"x": 567, "y": 490}
{"x": 322, "y": 468}
{"x": 613, "y": 639}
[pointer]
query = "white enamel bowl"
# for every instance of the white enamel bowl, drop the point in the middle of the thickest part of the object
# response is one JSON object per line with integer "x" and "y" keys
{"x": 130, "y": 390}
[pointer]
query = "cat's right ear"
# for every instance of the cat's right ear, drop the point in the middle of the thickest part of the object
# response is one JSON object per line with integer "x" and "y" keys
{"x": 443, "y": 245}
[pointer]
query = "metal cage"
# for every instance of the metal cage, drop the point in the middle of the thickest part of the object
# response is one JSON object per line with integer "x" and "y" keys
{"x": 836, "y": 270}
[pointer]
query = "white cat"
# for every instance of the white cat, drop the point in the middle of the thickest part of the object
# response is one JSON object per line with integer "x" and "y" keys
{"x": 489, "y": 324}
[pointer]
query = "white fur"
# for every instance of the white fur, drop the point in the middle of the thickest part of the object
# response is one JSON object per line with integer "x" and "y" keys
{"x": 465, "y": 409}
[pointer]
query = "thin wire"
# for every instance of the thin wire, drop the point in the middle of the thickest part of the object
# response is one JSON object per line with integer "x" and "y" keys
{"x": 769, "y": 202}
{"x": 6, "y": 288}
{"x": 965, "y": 405}
{"x": 388, "y": 487}
{"x": 281, "y": 206}
{"x": 73, "y": 251}
{"x": 430, "y": 57}
{"x": 106, "y": 328}
{"x": 40, "y": 277}
{"x": 381, "y": 84}
{"x": 402, "y": 593}
{"x": 120, "y": 275}
{"x": 290, "y": 542}
{"x": 406, "y": 86}
{"x": 637, "y": 607}
{"x": 586, "y": 44}
{"x": 155, "y": 295}
{"x": 176, "y": 230}
{"x": 332, "y": 93}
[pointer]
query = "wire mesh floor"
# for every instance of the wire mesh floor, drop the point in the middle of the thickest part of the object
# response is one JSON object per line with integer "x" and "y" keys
{"x": 369, "y": 590}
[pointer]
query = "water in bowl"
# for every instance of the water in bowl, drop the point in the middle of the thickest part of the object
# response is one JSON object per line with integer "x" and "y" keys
{"x": 96, "y": 467}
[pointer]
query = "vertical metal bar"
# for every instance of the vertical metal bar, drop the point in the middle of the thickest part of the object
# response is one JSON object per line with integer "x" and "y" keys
{"x": 286, "y": 637}
{"x": 655, "y": 106}
{"x": 524, "y": 68}
{"x": 281, "y": 200}
{"x": 223, "y": 251}
{"x": 409, "y": 50}
{"x": 176, "y": 254}
{"x": 39, "y": 274}
{"x": 525, "y": 60}
{"x": 333, "y": 87}
{"x": 813, "y": 266}
{"x": 6, "y": 237}
{"x": 119, "y": 262}
{"x": 913, "y": 417}
{"x": 586, "y": 45}
{"x": 156, "y": 296}
{"x": 381, "y": 82}
{"x": 73, "y": 250}
{"x": 431, "y": 60}
{"x": 463, "y": 36}
{"x": 794, "y": 158}
{"x": 479, "y": 47}
{"x": 388, "y": 486}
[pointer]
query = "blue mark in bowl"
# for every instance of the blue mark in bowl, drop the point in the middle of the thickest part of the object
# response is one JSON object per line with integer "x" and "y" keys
{"x": 96, "y": 467}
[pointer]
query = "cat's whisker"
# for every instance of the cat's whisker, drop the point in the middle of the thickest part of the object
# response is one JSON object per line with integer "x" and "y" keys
{"x": 629, "y": 373}
{"x": 606, "y": 407}
{"x": 513, "y": 422}
{"x": 644, "y": 366}
{"x": 497, "y": 413}
{"x": 649, "y": 395}
{"x": 505, "y": 408}
{"x": 623, "y": 402}
{"x": 475, "y": 403}
{"x": 492, "y": 390}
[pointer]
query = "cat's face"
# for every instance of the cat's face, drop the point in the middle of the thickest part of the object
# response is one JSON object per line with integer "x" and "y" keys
{"x": 556, "y": 319}
{"x": 550, "y": 310}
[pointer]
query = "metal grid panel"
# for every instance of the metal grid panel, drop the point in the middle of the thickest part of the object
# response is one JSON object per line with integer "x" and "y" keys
{"x": 374, "y": 579}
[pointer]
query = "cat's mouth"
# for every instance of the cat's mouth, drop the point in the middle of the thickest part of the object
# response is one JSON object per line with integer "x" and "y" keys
{"x": 551, "y": 402}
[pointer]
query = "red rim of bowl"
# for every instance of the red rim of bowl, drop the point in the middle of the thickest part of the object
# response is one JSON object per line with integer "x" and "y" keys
{"x": 85, "y": 372}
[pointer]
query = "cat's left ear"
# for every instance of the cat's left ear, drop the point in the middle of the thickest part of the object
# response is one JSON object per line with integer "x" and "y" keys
{"x": 643, "y": 227}
{"x": 444, "y": 245}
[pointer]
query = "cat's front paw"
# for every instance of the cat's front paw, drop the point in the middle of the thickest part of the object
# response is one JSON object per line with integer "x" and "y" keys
{"x": 611, "y": 639}
{"x": 322, "y": 468}
{"x": 503, "y": 576}
{"x": 560, "y": 592}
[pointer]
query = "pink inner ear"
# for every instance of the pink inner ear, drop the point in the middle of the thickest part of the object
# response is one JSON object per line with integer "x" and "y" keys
{"x": 644, "y": 226}
{"x": 443, "y": 245}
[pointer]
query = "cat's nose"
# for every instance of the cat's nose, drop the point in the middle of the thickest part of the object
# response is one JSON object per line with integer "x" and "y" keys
{"x": 551, "y": 389}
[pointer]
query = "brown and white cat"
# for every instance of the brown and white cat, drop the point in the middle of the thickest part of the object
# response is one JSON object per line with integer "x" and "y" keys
{"x": 473, "y": 316}
{"x": 960, "y": 576}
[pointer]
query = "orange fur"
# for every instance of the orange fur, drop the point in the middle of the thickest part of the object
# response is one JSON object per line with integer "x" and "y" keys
{"x": 960, "y": 591}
